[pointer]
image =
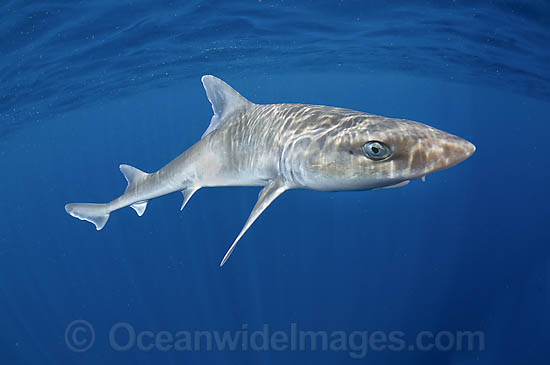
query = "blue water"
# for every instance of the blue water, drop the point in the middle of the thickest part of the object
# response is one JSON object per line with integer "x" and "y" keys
{"x": 87, "y": 85}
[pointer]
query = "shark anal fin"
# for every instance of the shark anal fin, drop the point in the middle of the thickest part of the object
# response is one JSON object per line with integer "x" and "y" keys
{"x": 268, "y": 194}
{"x": 140, "y": 207}
{"x": 187, "y": 194}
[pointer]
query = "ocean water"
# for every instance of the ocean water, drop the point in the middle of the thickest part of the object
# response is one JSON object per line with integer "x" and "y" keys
{"x": 455, "y": 270}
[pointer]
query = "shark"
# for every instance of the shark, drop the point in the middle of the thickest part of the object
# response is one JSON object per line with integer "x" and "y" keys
{"x": 287, "y": 146}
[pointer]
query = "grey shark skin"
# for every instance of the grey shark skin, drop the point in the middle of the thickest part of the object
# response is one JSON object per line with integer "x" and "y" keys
{"x": 288, "y": 146}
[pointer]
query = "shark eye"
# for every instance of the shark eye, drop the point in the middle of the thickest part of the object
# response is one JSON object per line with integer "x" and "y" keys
{"x": 376, "y": 150}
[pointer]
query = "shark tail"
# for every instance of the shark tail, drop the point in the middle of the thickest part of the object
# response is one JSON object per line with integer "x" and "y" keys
{"x": 98, "y": 214}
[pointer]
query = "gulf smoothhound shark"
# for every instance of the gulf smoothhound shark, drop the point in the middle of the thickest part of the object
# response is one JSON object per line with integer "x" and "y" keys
{"x": 287, "y": 146}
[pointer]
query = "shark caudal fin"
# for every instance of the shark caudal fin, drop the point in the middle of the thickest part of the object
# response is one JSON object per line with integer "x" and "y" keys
{"x": 98, "y": 214}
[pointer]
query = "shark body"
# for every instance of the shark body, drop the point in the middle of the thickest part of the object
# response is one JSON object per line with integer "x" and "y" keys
{"x": 287, "y": 146}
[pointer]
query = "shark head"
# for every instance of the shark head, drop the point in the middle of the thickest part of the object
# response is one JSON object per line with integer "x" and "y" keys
{"x": 370, "y": 152}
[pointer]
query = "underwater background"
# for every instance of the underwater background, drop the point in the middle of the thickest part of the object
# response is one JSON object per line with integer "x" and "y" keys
{"x": 88, "y": 85}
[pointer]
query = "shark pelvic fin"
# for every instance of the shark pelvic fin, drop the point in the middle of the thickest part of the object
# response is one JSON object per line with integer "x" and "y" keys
{"x": 224, "y": 99}
{"x": 133, "y": 176}
{"x": 268, "y": 194}
{"x": 187, "y": 194}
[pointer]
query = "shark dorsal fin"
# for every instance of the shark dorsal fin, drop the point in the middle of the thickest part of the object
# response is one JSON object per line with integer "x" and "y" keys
{"x": 132, "y": 175}
{"x": 224, "y": 99}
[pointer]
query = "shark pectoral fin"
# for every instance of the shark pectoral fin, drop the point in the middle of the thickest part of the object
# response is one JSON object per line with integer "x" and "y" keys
{"x": 398, "y": 185}
{"x": 140, "y": 207}
{"x": 187, "y": 194}
{"x": 269, "y": 193}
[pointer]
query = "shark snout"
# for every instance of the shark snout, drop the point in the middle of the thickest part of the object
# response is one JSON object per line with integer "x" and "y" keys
{"x": 458, "y": 150}
{"x": 447, "y": 151}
